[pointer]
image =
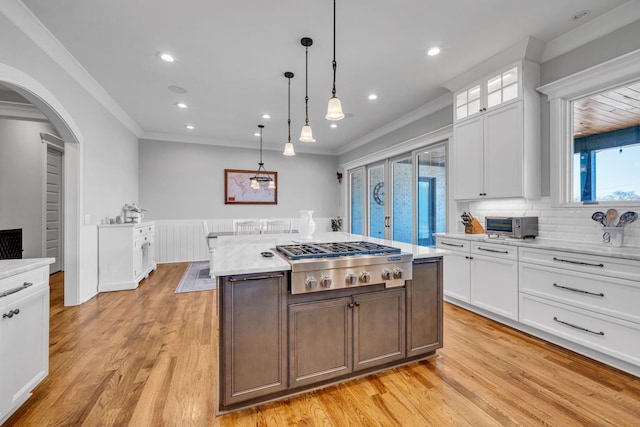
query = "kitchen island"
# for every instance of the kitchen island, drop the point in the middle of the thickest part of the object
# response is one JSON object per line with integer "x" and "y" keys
{"x": 275, "y": 342}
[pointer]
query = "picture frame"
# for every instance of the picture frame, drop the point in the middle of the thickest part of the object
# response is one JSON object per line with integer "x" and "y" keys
{"x": 238, "y": 191}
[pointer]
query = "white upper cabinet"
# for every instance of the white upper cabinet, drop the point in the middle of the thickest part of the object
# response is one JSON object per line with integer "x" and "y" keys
{"x": 496, "y": 135}
{"x": 490, "y": 92}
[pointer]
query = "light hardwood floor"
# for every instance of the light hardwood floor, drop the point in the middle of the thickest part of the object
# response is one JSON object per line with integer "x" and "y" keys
{"x": 146, "y": 358}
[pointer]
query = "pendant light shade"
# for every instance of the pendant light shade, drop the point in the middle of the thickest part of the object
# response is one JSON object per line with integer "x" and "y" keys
{"x": 306, "y": 134}
{"x": 261, "y": 176}
{"x": 288, "y": 147}
{"x": 334, "y": 110}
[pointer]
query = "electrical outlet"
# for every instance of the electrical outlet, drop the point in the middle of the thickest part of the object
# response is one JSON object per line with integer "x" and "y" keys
{"x": 87, "y": 219}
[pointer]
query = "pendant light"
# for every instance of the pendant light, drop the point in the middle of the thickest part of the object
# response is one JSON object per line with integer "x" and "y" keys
{"x": 334, "y": 110}
{"x": 306, "y": 134}
{"x": 288, "y": 147}
{"x": 261, "y": 174}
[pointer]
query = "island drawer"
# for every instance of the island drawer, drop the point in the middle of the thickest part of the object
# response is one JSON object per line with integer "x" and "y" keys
{"x": 35, "y": 277}
{"x": 614, "y": 297}
{"x": 608, "y": 335}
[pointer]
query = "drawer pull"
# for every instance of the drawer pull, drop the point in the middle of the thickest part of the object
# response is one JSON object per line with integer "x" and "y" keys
{"x": 492, "y": 250}
{"x": 578, "y": 327}
{"x": 577, "y": 262}
{"x": 11, "y": 313}
{"x": 451, "y": 244}
{"x": 555, "y": 285}
{"x": 266, "y": 276}
{"x": 24, "y": 286}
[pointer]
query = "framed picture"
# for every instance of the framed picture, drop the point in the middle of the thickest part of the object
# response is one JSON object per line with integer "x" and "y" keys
{"x": 237, "y": 188}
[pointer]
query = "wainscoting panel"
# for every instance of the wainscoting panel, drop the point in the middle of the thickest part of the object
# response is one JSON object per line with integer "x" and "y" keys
{"x": 184, "y": 241}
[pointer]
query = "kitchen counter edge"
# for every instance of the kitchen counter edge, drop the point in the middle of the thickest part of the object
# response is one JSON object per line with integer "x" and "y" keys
{"x": 11, "y": 267}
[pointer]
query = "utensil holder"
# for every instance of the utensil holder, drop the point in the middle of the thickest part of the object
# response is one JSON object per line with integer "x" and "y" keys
{"x": 474, "y": 228}
{"x": 611, "y": 236}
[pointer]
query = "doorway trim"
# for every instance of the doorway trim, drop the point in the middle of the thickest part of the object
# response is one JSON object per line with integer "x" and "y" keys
{"x": 69, "y": 131}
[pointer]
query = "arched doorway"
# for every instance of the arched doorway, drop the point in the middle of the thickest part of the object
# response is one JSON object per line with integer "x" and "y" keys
{"x": 55, "y": 112}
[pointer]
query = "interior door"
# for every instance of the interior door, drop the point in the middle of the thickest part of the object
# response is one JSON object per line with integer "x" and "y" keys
{"x": 401, "y": 217}
{"x": 53, "y": 234}
{"x": 378, "y": 218}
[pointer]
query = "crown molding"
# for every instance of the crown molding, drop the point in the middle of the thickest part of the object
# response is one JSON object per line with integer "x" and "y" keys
{"x": 21, "y": 112}
{"x": 193, "y": 139}
{"x": 604, "y": 24}
{"x": 27, "y": 22}
{"x": 420, "y": 112}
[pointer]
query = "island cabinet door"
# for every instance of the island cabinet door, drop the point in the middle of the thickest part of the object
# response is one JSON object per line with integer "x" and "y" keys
{"x": 424, "y": 307}
{"x": 379, "y": 328}
{"x": 253, "y": 337}
{"x": 320, "y": 340}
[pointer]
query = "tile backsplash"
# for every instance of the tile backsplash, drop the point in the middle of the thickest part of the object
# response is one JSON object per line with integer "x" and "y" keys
{"x": 569, "y": 224}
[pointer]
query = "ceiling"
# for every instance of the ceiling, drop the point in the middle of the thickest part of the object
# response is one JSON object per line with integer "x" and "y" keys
{"x": 231, "y": 56}
{"x": 616, "y": 109}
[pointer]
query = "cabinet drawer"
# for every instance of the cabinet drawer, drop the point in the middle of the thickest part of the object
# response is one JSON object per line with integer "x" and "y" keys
{"x": 36, "y": 277}
{"x": 602, "y": 265}
{"x": 453, "y": 244}
{"x": 614, "y": 297}
{"x": 608, "y": 335}
{"x": 143, "y": 230}
{"x": 495, "y": 250}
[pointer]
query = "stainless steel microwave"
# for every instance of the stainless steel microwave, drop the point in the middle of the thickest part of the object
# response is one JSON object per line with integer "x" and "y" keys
{"x": 518, "y": 227}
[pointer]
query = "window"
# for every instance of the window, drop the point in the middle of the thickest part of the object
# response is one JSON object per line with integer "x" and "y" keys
{"x": 606, "y": 145}
{"x": 589, "y": 161}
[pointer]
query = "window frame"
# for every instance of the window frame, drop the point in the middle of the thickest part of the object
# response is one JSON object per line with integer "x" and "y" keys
{"x": 561, "y": 93}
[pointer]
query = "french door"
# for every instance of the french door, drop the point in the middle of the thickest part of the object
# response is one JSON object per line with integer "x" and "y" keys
{"x": 401, "y": 198}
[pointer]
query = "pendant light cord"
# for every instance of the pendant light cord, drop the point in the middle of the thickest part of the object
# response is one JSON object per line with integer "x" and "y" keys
{"x": 289, "y": 110}
{"x": 306, "y": 84}
{"x": 333, "y": 91}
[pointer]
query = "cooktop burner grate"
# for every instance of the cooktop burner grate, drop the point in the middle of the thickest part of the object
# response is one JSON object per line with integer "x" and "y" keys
{"x": 337, "y": 249}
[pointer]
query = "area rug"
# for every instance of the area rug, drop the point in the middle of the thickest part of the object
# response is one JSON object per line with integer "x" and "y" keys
{"x": 196, "y": 278}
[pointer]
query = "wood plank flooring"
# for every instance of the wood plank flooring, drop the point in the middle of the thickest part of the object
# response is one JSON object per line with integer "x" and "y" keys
{"x": 146, "y": 358}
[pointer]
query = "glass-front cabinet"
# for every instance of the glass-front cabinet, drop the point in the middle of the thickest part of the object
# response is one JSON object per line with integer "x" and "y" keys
{"x": 492, "y": 91}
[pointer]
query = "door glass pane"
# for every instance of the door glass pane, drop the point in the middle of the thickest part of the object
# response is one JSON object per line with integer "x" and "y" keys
{"x": 494, "y": 99}
{"x": 402, "y": 206}
{"x": 432, "y": 192}
{"x": 376, "y": 201}
{"x": 510, "y": 92}
{"x": 474, "y": 93}
{"x": 510, "y": 77}
{"x": 461, "y": 99}
{"x": 356, "y": 181}
{"x": 474, "y": 107}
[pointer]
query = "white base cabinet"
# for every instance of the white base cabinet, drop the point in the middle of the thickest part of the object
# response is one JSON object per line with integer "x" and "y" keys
{"x": 24, "y": 335}
{"x": 126, "y": 255}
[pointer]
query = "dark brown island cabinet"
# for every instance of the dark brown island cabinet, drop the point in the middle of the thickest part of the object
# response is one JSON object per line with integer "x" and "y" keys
{"x": 273, "y": 344}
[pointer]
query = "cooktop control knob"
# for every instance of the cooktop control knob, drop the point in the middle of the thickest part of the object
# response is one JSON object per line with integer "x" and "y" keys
{"x": 365, "y": 277}
{"x": 351, "y": 279}
{"x": 325, "y": 281}
{"x": 311, "y": 282}
{"x": 386, "y": 274}
{"x": 397, "y": 273}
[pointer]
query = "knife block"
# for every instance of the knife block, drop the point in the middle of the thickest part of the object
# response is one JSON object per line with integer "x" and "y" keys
{"x": 474, "y": 228}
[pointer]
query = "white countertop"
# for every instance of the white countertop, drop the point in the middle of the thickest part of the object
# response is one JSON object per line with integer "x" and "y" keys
{"x": 631, "y": 253}
{"x": 241, "y": 254}
{"x": 11, "y": 267}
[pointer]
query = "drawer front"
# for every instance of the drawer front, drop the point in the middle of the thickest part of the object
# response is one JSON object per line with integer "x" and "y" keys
{"x": 605, "y": 334}
{"x": 35, "y": 277}
{"x": 495, "y": 250}
{"x": 143, "y": 230}
{"x": 602, "y": 265}
{"x": 453, "y": 244}
{"x": 614, "y": 297}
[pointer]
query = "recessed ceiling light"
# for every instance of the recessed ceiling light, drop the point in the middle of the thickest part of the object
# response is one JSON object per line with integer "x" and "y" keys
{"x": 177, "y": 89}
{"x": 166, "y": 57}
{"x": 373, "y": 96}
{"x": 190, "y": 127}
{"x": 266, "y": 116}
{"x": 579, "y": 15}
{"x": 433, "y": 51}
{"x": 256, "y": 134}
{"x": 334, "y": 125}
{"x": 181, "y": 105}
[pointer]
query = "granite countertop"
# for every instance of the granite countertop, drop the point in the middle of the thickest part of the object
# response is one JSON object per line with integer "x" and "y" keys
{"x": 241, "y": 254}
{"x": 11, "y": 267}
{"x": 629, "y": 252}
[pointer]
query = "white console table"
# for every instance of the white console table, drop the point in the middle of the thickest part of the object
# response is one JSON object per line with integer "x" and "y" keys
{"x": 126, "y": 255}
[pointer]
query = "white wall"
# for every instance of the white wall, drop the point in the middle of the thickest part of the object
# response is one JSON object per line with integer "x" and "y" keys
{"x": 186, "y": 181}
{"x": 107, "y": 153}
{"x": 21, "y": 180}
